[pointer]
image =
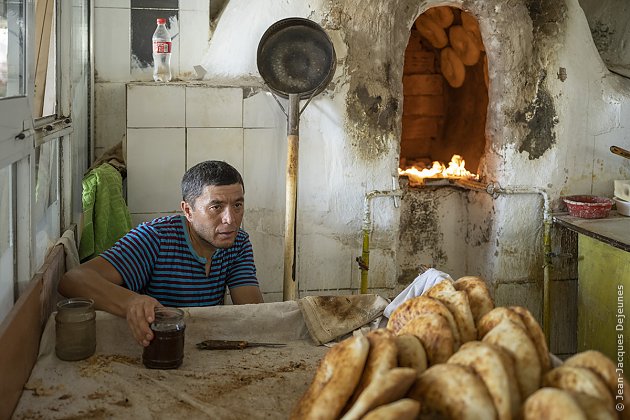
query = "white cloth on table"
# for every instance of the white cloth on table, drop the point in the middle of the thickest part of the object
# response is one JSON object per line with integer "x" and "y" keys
{"x": 418, "y": 287}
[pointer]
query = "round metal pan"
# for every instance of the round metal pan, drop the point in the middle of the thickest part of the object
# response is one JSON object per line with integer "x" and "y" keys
{"x": 296, "y": 56}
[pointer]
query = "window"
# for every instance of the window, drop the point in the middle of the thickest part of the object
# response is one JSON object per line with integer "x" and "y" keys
{"x": 12, "y": 43}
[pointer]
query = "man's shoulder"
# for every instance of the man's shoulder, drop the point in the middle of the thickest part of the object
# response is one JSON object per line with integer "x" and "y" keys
{"x": 242, "y": 237}
{"x": 166, "y": 222}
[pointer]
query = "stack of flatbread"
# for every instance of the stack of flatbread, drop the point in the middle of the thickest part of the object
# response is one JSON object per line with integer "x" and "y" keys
{"x": 456, "y": 34}
{"x": 451, "y": 354}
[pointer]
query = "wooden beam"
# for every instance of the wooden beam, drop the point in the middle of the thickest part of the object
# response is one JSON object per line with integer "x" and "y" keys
{"x": 43, "y": 32}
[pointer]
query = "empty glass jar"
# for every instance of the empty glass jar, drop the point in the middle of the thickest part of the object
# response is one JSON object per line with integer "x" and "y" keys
{"x": 75, "y": 325}
{"x": 166, "y": 350}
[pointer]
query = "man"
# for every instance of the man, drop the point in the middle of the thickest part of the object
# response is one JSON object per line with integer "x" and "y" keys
{"x": 176, "y": 260}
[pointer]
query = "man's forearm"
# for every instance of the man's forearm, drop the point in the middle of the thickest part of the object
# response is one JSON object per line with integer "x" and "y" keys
{"x": 107, "y": 296}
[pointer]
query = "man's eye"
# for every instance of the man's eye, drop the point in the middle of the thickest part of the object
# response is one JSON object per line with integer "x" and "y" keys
{"x": 239, "y": 205}
{"x": 215, "y": 208}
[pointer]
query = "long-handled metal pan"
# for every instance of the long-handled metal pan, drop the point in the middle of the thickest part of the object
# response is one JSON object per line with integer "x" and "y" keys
{"x": 296, "y": 59}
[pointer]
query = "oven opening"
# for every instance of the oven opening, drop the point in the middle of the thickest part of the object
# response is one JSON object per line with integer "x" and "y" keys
{"x": 445, "y": 87}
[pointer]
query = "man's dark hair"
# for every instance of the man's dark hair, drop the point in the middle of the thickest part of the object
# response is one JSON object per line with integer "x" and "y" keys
{"x": 210, "y": 172}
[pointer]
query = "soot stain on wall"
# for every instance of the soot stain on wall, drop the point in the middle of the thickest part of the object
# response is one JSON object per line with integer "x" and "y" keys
{"x": 420, "y": 230}
{"x": 540, "y": 118}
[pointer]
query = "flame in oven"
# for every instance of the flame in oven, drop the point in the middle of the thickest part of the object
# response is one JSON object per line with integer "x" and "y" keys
{"x": 456, "y": 169}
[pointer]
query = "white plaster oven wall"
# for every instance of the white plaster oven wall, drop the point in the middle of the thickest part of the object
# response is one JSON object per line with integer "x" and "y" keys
{"x": 349, "y": 138}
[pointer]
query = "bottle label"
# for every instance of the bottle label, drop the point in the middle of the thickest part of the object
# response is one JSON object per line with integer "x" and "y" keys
{"x": 162, "y": 47}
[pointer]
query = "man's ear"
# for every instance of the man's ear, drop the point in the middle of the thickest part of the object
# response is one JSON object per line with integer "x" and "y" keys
{"x": 187, "y": 209}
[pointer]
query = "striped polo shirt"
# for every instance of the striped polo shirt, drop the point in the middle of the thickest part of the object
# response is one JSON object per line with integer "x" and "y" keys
{"x": 157, "y": 259}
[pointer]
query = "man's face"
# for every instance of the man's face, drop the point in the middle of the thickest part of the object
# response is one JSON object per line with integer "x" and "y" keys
{"x": 217, "y": 214}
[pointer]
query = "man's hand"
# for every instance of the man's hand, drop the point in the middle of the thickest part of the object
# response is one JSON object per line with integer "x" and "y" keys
{"x": 141, "y": 313}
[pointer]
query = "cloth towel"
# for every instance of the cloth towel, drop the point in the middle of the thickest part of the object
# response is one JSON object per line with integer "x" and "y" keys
{"x": 330, "y": 317}
{"x": 70, "y": 249}
{"x": 106, "y": 217}
{"x": 418, "y": 287}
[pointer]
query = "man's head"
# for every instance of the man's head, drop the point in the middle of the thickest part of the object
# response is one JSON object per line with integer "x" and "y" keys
{"x": 213, "y": 203}
{"x": 210, "y": 172}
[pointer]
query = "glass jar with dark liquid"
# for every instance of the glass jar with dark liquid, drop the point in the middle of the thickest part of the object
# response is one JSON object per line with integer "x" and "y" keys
{"x": 166, "y": 350}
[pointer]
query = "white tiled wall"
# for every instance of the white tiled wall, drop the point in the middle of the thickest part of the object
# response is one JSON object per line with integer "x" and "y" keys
{"x": 214, "y": 107}
{"x": 155, "y": 164}
{"x": 214, "y": 144}
{"x": 156, "y": 105}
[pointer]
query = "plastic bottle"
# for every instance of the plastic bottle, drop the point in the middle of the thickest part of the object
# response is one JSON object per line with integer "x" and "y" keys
{"x": 161, "y": 52}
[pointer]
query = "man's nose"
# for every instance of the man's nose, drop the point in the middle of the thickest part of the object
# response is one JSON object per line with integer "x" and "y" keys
{"x": 228, "y": 215}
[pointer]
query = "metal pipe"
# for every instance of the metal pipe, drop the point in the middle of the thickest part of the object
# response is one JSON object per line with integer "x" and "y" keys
{"x": 494, "y": 189}
{"x": 364, "y": 259}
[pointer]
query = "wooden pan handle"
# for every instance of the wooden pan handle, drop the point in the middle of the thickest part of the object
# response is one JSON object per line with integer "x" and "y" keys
{"x": 619, "y": 151}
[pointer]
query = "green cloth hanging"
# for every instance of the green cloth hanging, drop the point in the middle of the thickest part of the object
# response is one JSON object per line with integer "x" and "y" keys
{"x": 106, "y": 217}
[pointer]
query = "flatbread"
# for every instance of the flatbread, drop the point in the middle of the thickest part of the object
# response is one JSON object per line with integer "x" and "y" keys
{"x": 464, "y": 44}
{"x": 336, "y": 378}
{"x": 411, "y": 353}
{"x": 486, "y": 361}
{"x": 552, "y": 404}
{"x": 478, "y": 295}
{"x": 536, "y": 334}
{"x": 386, "y": 388}
{"x": 452, "y": 392}
{"x": 442, "y": 15}
{"x": 494, "y": 317}
{"x": 580, "y": 380}
{"x": 512, "y": 338}
{"x": 600, "y": 364}
{"x": 594, "y": 408}
{"x": 431, "y": 31}
{"x": 381, "y": 358}
{"x": 435, "y": 335}
{"x": 404, "y": 409}
{"x": 457, "y": 303}
{"x": 413, "y": 307}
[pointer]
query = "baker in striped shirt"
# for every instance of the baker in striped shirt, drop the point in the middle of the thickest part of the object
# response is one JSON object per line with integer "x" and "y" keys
{"x": 181, "y": 260}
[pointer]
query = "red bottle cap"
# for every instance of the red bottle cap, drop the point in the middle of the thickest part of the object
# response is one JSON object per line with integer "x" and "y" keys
{"x": 161, "y": 21}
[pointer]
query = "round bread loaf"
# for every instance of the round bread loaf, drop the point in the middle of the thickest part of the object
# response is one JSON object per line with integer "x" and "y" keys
{"x": 452, "y": 67}
{"x": 411, "y": 353}
{"x": 478, "y": 295}
{"x": 512, "y": 338}
{"x": 442, "y": 15}
{"x": 471, "y": 26}
{"x": 382, "y": 357}
{"x": 418, "y": 305}
{"x": 335, "y": 379}
{"x": 388, "y": 387}
{"x": 404, "y": 409}
{"x": 464, "y": 45}
{"x": 431, "y": 31}
{"x": 579, "y": 380}
{"x": 552, "y": 404}
{"x": 536, "y": 334}
{"x": 457, "y": 303}
{"x": 435, "y": 335}
{"x": 598, "y": 363}
{"x": 449, "y": 391}
{"x": 486, "y": 361}
{"x": 494, "y": 317}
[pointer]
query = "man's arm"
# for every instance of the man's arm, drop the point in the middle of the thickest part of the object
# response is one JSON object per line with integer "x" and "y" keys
{"x": 246, "y": 294}
{"x": 98, "y": 280}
